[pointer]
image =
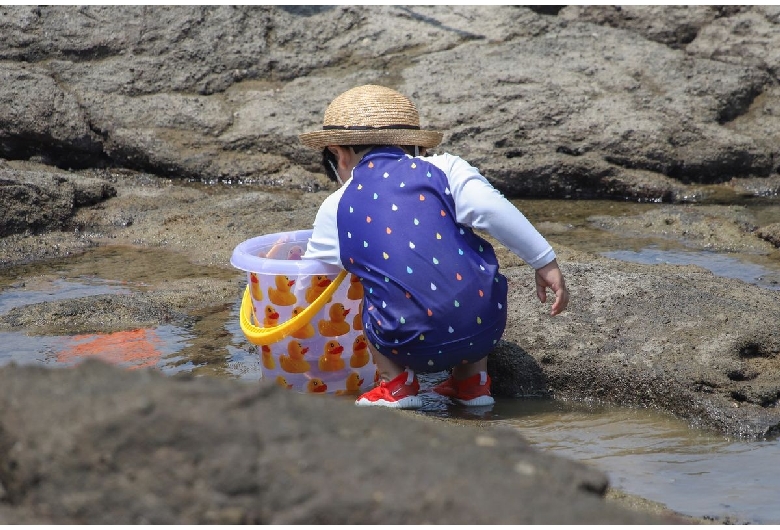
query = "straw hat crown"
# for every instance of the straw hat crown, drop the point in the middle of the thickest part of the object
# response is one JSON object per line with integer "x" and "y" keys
{"x": 371, "y": 114}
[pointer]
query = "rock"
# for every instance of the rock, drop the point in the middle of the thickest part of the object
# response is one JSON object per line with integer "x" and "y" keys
{"x": 36, "y": 201}
{"x": 770, "y": 233}
{"x": 98, "y": 444}
{"x": 612, "y": 102}
{"x": 644, "y": 335}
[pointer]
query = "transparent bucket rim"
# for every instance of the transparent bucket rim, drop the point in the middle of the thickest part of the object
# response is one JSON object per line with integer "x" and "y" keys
{"x": 246, "y": 256}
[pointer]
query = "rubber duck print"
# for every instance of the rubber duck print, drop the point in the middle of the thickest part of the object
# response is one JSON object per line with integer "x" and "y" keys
{"x": 330, "y": 360}
{"x": 271, "y": 317}
{"x": 254, "y": 286}
{"x": 351, "y": 385}
{"x": 360, "y": 354}
{"x": 316, "y": 386}
{"x": 282, "y": 382}
{"x": 357, "y": 320}
{"x": 355, "y": 291}
{"x": 318, "y": 284}
{"x": 336, "y": 325}
{"x": 281, "y": 295}
{"x": 268, "y": 359}
{"x": 294, "y": 362}
{"x": 307, "y": 331}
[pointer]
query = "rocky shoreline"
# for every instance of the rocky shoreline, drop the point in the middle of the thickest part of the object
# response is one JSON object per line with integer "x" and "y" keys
{"x": 104, "y": 111}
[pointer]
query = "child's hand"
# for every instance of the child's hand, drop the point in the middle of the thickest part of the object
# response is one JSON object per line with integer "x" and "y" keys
{"x": 550, "y": 276}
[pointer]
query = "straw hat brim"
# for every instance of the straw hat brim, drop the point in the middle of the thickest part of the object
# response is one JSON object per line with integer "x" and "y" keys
{"x": 325, "y": 137}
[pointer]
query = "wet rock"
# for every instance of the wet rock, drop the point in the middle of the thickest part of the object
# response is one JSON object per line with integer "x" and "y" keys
{"x": 711, "y": 227}
{"x": 35, "y": 201}
{"x": 676, "y": 338}
{"x": 771, "y": 233}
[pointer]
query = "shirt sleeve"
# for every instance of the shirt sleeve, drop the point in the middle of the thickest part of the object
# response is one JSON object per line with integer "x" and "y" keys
{"x": 324, "y": 242}
{"x": 479, "y": 205}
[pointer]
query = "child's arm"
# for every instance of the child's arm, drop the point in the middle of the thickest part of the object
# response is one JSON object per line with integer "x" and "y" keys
{"x": 479, "y": 205}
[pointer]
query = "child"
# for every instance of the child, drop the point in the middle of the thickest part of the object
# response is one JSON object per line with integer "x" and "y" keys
{"x": 402, "y": 222}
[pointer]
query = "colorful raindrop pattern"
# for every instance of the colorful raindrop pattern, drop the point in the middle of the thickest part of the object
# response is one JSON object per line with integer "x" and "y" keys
{"x": 427, "y": 280}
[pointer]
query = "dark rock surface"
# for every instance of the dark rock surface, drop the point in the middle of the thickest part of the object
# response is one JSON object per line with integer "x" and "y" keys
{"x": 140, "y": 448}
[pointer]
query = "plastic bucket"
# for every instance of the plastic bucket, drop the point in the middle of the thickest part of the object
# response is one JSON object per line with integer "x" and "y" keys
{"x": 303, "y": 316}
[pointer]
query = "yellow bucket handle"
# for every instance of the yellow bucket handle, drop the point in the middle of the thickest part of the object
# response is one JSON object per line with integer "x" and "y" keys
{"x": 265, "y": 336}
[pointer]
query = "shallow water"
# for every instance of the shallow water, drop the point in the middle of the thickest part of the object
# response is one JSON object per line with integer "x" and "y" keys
{"x": 657, "y": 457}
{"x": 644, "y": 453}
{"x": 719, "y": 264}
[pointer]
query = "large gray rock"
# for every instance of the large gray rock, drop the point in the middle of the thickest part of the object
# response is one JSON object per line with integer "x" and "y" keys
{"x": 594, "y": 102}
{"x": 100, "y": 445}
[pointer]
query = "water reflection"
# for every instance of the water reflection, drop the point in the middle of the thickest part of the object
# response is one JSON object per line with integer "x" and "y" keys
{"x": 39, "y": 290}
{"x": 132, "y": 349}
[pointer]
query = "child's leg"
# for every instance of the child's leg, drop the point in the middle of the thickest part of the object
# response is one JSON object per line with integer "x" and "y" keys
{"x": 464, "y": 371}
{"x": 388, "y": 370}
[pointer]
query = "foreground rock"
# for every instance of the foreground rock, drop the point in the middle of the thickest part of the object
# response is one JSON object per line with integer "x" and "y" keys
{"x": 100, "y": 445}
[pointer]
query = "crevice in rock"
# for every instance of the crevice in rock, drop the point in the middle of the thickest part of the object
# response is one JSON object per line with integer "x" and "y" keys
{"x": 769, "y": 402}
{"x": 546, "y": 10}
{"x": 751, "y": 350}
{"x": 739, "y": 103}
{"x": 466, "y": 35}
{"x": 741, "y": 375}
{"x": 54, "y": 154}
{"x": 305, "y": 11}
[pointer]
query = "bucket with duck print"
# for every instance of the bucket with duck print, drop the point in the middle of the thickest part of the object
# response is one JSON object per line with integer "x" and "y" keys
{"x": 303, "y": 316}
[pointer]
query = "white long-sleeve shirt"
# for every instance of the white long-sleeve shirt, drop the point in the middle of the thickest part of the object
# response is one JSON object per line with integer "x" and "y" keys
{"x": 477, "y": 203}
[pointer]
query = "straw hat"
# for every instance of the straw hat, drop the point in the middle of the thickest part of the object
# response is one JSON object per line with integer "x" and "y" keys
{"x": 371, "y": 114}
